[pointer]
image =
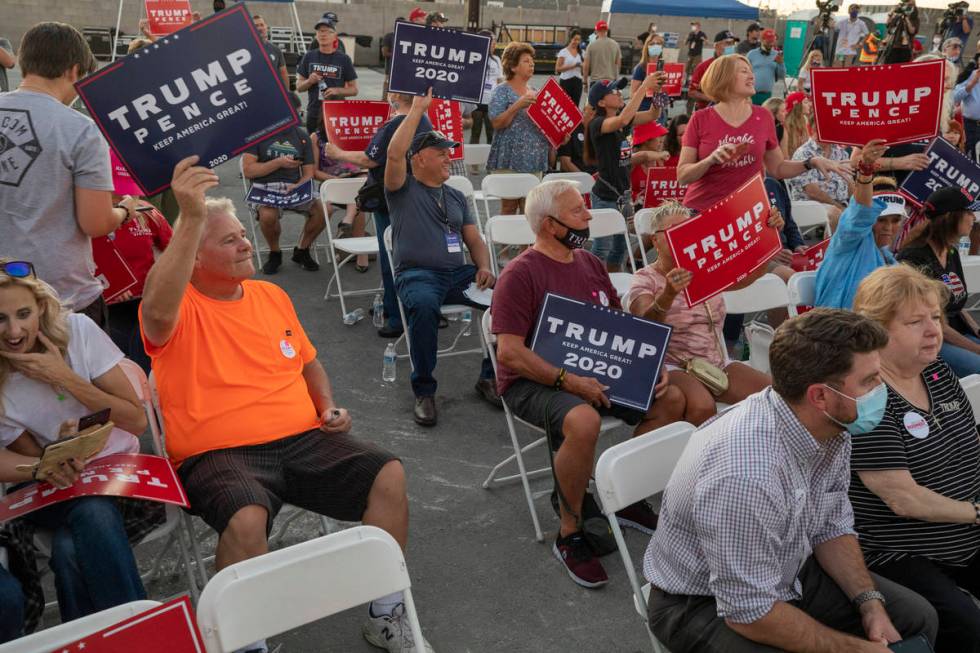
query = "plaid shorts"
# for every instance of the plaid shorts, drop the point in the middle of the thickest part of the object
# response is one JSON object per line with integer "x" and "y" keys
{"x": 329, "y": 474}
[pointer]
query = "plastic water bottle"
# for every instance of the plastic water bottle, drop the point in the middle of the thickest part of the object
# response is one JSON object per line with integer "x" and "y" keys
{"x": 379, "y": 312}
{"x": 388, "y": 367}
{"x": 964, "y": 247}
{"x": 467, "y": 321}
{"x": 354, "y": 317}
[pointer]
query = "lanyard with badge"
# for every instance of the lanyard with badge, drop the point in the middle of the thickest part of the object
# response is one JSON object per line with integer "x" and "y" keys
{"x": 453, "y": 243}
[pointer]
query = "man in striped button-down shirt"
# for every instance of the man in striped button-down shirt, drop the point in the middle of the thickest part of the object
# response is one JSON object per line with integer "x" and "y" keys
{"x": 755, "y": 549}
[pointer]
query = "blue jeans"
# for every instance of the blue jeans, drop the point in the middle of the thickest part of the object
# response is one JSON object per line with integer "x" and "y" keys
{"x": 423, "y": 291}
{"x": 610, "y": 249}
{"x": 381, "y": 222}
{"x": 963, "y": 362}
{"x": 93, "y": 564}
{"x": 11, "y": 607}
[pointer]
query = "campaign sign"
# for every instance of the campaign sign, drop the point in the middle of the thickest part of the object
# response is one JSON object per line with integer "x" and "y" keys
{"x": 622, "y": 351}
{"x": 270, "y": 195}
{"x": 897, "y": 102}
{"x": 947, "y": 167}
{"x": 452, "y": 63}
{"x": 168, "y": 628}
{"x": 725, "y": 243}
{"x": 208, "y": 89}
{"x": 111, "y": 268}
{"x": 132, "y": 475}
{"x": 810, "y": 258}
{"x": 350, "y": 124}
{"x": 675, "y": 79}
{"x": 167, "y": 16}
{"x": 554, "y": 113}
{"x": 661, "y": 186}
{"x": 447, "y": 116}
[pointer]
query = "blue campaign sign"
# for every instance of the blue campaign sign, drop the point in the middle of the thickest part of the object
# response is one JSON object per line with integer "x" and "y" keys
{"x": 622, "y": 351}
{"x": 947, "y": 167}
{"x": 272, "y": 195}
{"x": 208, "y": 89}
{"x": 453, "y": 63}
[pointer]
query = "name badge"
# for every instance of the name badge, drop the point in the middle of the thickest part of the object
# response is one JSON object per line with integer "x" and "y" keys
{"x": 453, "y": 244}
{"x": 916, "y": 425}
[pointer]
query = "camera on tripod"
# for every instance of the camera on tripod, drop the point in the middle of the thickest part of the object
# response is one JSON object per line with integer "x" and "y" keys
{"x": 826, "y": 11}
{"x": 904, "y": 8}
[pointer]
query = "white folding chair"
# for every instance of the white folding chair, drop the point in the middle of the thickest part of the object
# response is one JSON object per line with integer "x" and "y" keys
{"x": 810, "y": 214}
{"x": 971, "y": 273}
{"x": 506, "y": 186}
{"x": 584, "y": 180}
{"x": 54, "y": 638}
{"x": 802, "y": 289}
{"x": 285, "y": 589}
{"x": 476, "y": 154}
{"x": 971, "y": 386}
{"x": 767, "y": 292}
{"x": 465, "y": 186}
{"x": 639, "y": 217}
{"x": 610, "y": 222}
{"x": 507, "y": 230}
{"x": 607, "y": 424}
{"x": 344, "y": 192}
{"x": 631, "y": 471}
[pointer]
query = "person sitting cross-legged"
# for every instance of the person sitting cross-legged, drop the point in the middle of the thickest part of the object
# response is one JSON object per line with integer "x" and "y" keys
{"x": 251, "y": 418}
{"x": 569, "y": 406}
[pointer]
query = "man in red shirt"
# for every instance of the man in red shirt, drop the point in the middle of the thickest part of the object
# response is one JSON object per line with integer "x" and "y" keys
{"x": 724, "y": 44}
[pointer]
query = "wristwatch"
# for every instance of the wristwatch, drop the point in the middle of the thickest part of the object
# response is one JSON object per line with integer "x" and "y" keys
{"x": 869, "y": 595}
{"x": 807, "y": 163}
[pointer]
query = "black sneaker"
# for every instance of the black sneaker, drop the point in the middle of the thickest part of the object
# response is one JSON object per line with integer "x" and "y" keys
{"x": 273, "y": 263}
{"x": 302, "y": 256}
{"x": 582, "y": 566}
{"x": 639, "y": 516}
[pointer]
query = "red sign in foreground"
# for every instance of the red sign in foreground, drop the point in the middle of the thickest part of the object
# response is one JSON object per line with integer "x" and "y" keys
{"x": 675, "y": 78}
{"x": 133, "y": 475}
{"x": 167, "y": 16}
{"x": 661, "y": 186}
{"x": 554, "y": 113}
{"x": 725, "y": 243}
{"x": 899, "y": 102}
{"x": 350, "y": 124}
{"x": 168, "y": 628}
{"x": 111, "y": 268}
{"x": 447, "y": 117}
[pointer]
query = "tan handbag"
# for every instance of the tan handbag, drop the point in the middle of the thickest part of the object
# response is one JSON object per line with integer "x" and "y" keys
{"x": 711, "y": 376}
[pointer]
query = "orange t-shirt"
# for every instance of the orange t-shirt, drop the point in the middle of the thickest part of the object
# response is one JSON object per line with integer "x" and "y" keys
{"x": 231, "y": 375}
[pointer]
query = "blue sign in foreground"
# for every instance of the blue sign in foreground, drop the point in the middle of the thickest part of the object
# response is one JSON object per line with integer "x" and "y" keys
{"x": 453, "y": 63}
{"x": 270, "y": 195}
{"x": 947, "y": 167}
{"x": 208, "y": 89}
{"x": 622, "y": 351}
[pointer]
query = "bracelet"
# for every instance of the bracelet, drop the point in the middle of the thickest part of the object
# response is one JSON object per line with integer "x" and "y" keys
{"x": 561, "y": 378}
{"x": 866, "y": 169}
{"x": 808, "y": 163}
{"x": 37, "y": 466}
{"x": 864, "y": 183}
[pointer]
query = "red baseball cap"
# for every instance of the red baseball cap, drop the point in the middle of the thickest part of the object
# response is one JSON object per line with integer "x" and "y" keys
{"x": 601, "y": 26}
{"x": 769, "y": 34}
{"x": 643, "y": 133}
{"x": 417, "y": 13}
{"x": 793, "y": 99}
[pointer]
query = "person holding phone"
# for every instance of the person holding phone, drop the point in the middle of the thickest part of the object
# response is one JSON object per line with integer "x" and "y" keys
{"x": 653, "y": 50}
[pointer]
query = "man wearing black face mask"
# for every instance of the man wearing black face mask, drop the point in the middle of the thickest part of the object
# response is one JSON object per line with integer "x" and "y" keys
{"x": 569, "y": 406}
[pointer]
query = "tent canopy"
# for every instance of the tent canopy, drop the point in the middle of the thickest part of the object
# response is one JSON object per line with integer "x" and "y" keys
{"x": 704, "y": 9}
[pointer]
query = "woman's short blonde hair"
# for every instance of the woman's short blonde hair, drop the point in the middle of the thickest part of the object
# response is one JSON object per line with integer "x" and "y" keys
{"x": 512, "y": 56}
{"x": 719, "y": 79}
{"x": 653, "y": 220}
{"x": 887, "y": 290}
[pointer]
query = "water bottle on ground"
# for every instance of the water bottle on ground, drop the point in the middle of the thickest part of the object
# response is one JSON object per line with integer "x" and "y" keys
{"x": 964, "y": 246}
{"x": 379, "y": 312}
{"x": 388, "y": 368}
{"x": 354, "y": 316}
{"x": 467, "y": 321}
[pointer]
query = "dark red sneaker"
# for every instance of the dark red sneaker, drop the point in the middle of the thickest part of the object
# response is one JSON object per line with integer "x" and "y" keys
{"x": 583, "y": 567}
{"x": 639, "y": 516}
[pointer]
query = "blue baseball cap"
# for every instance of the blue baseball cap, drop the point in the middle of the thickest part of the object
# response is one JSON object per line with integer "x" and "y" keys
{"x": 434, "y": 138}
{"x": 601, "y": 89}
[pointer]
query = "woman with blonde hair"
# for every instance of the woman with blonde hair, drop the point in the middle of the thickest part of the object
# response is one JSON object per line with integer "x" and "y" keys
{"x": 915, "y": 476}
{"x": 653, "y": 50}
{"x": 797, "y": 110}
{"x": 813, "y": 60}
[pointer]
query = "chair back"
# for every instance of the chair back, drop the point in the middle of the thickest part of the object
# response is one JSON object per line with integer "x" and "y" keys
{"x": 610, "y": 222}
{"x": 642, "y": 216}
{"x": 476, "y": 154}
{"x": 971, "y": 386}
{"x": 768, "y": 291}
{"x": 462, "y": 184}
{"x": 971, "y": 273}
{"x": 808, "y": 214}
{"x": 510, "y": 185}
{"x": 56, "y": 637}
{"x": 507, "y": 230}
{"x": 284, "y": 589}
{"x": 802, "y": 289}
{"x": 584, "y": 180}
{"x": 340, "y": 191}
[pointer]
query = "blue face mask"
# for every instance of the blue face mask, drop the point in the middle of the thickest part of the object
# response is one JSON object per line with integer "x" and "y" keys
{"x": 655, "y": 50}
{"x": 729, "y": 50}
{"x": 870, "y": 409}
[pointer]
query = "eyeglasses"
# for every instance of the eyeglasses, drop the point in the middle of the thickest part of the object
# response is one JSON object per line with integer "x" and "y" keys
{"x": 18, "y": 269}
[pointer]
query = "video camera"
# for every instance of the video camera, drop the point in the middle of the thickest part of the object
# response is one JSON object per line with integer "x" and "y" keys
{"x": 826, "y": 11}
{"x": 904, "y": 8}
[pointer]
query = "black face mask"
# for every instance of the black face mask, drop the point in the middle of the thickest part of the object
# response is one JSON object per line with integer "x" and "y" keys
{"x": 573, "y": 238}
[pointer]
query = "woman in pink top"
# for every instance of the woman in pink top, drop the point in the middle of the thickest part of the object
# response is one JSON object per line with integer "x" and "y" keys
{"x": 656, "y": 294}
{"x": 731, "y": 141}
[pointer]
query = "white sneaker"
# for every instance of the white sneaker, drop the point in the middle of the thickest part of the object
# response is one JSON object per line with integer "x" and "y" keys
{"x": 393, "y": 633}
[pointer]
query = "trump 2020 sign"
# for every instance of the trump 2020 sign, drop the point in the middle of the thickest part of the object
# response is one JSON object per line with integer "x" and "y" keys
{"x": 453, "y": 63}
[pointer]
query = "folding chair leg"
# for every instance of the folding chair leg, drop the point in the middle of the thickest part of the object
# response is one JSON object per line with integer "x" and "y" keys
{"x": 325, "y": 527}
{"x": 524, "y": 478}
{"x": 185, "y": 560}
{"x": 188, "y": 527}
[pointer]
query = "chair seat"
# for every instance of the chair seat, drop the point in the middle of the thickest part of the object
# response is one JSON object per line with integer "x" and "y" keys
{"x": 621, "y": 282}
{"x": 361, "y": 245}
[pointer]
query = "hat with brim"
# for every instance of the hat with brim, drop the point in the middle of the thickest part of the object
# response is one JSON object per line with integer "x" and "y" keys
{"x": 723, "y": 36}
{"x": 645, "y": 132}
{"x": 417, "y": 13}
{"x": 434, "y": 138}
{"x": 947, "y": 200}
{"x": 324, "y": 22}
{"x": 894, "y": 204}
{"x": 601, "y": 89}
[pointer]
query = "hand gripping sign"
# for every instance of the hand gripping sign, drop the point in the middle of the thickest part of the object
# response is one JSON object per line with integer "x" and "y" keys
{"x": 167, "y": 16}
{"x": 811, "y": 258}
{"x": 208, "y": 89}
{"x": 453, "y": 63}
{"x": 899, "y": 103}
{"x": 350, "y": 124}
{"x": 168, "y": 628}
{"x": 661, "y": 186}
{"x": 947, "y": 167}
{"x": 675, "y": 78}
{"x": 622, "y": 351}
{"x": 447, "y": 117}
{"x": 725, "y": 243}
{"x": 554, "y": 113}
{"x": 278, "y": 195}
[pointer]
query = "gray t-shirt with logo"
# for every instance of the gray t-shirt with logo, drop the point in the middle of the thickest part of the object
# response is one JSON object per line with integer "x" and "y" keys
{"x": 426, "y": 223}
{"x": 46, "y": 151}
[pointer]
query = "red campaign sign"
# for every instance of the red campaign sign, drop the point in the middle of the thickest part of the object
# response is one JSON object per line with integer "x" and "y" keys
{"x": 661, "y": 186}
{"x": 725, "y": 243}
{"x": 132, "y": 475}
{"x": 111, "y": 268}
{"x": 350, "y": 124}
{"x": 167, "y": 16}
{"x": 810, "y": 258}
{"x": 554, "y": 113}
{"x": 899, "y": 102}
{"x": 168, "y": 628}
{"x": 675, "y": 79}
{"x": 447, "y": 117}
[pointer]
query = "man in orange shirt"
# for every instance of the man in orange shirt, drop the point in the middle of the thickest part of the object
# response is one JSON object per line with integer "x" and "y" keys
{"x": 250, "y": 415}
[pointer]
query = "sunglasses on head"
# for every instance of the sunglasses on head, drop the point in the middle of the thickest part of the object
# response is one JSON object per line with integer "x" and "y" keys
{"x": 18, "y": 269}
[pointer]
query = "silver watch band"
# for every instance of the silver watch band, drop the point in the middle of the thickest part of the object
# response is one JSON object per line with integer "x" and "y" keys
{"x": 870, "y": 595}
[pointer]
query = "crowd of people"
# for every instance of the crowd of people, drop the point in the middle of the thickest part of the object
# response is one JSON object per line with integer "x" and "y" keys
{"x": 830, "y": 504}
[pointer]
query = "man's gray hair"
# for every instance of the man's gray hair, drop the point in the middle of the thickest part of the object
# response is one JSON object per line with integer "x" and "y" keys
{"x": 542, "y": 201}
{"x": 219, "y": 205}
{"x": 653, "y": 220}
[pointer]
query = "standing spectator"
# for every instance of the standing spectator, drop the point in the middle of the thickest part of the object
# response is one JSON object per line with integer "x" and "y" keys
{"x": 324, "y": 73}
{"x": 387, "y": 51}
{"x": 602, "y": 57}
{"x": 695, "y": 45}
{"x": 568, "y": 66}
{"x": 902, "y": 50}
{"x": 952, "y": 49}
{"x": 418, "y": 16}
{"x": 642, "y": 37}
{"x": 724, "y": 44}
{"x": 333, "y": 19}
{"x": 850, "y": 35}
{"x": 653, "y": 51}
{"x": 767, "y": 66}
{"x": 436, "y": 19}
{"x": 813, "y": 60}
{"x": 62, "y": 172}
{"x": 967, "y": 96}
{"x": 275, "y": 54}
{"x": 518, "y": 145}
{"x": 753, "y": 35}
{"x": 494, "y": 75}
{"x": 960, "y": 29}
{"x": 7, "y": 60}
